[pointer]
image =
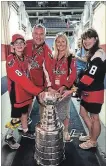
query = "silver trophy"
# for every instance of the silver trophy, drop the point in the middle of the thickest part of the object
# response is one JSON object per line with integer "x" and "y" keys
{"x": 49, "y": 145}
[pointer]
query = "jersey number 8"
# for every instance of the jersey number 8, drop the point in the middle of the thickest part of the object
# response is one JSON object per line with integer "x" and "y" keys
{"x": 18, "y": 72}
{"x": 93, "y": 70}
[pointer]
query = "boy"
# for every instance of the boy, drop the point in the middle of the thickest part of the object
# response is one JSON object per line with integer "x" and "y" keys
{"x": 21, "y": 89}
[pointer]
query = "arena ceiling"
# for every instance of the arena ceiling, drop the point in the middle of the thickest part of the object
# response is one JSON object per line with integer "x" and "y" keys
{"x": 55, "y": 15}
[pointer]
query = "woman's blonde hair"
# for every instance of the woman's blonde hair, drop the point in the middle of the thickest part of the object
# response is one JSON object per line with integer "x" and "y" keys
{"x": 55, "y": 51}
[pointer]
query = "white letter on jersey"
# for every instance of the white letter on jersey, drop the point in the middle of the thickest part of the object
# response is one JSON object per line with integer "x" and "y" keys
{"x": 18, "y": 72}
{"x": 93, "y": 70}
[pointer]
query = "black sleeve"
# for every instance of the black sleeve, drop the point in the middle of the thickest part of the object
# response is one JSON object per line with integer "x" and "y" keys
{"x": 93, "y": 71}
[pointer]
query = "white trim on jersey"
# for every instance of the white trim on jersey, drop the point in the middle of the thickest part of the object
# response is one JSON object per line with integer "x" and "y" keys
{"x": 99, "y": 54}
{"x": 46, "y": 75}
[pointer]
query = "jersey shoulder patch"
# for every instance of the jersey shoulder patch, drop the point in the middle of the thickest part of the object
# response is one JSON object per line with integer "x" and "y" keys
{"x": 10, "y": 60}
{"x": 99, "y": 54}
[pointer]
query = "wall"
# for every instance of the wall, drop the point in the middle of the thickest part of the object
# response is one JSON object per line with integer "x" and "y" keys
{"x": 99, "y": 23}
{"x": 14, "y": 19}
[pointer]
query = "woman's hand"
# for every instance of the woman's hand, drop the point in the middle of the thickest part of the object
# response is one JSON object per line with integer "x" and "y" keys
{"x": 74, "y": 89}
{"x": 54, "y": 92}
{"x": 66, "y": 93}
{"x": 61, "y": 89}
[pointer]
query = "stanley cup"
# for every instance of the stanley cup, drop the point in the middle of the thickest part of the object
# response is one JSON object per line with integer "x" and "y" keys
{"x": 49, "y": 145}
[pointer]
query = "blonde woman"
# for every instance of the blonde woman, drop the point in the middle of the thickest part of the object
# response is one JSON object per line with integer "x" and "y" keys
{"x": 63, "y": 76}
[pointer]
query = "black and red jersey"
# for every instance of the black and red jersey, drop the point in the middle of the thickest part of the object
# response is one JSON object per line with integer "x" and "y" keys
{"x": 39, "y": 63}
{"x": 92, "y": 81}
{"x": 20, "y": 88}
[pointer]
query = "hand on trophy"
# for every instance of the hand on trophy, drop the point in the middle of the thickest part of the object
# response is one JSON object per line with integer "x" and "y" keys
{"x": 49, "y": 97}
{"x": 66, "y": 93}
{"x": 41, "y": 96}
{"x": 61, "y": 89}
{"x": 52, "y": 91}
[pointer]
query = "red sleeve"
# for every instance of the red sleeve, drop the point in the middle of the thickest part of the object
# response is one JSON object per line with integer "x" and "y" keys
{"x": 14, "y": 73}
{"x": 73, "y": 73}
{"x": 87, "y": 80}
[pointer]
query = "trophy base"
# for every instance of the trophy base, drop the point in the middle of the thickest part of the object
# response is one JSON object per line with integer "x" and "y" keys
{"x": 49, "y": 146}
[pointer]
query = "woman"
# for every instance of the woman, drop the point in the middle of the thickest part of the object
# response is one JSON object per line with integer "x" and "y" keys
{"x": 92, "y": 88}
{"x": 63, "y": 77}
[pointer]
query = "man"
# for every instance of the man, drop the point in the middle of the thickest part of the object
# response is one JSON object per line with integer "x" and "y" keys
{"x": 39, "y": 56}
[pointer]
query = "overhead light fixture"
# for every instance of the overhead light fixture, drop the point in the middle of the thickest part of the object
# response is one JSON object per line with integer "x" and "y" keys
{"x": 40, "y": 3}
{"x": 64, "y": 3}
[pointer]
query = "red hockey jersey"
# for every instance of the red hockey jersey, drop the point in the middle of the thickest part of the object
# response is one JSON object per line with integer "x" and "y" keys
{"x": 60, "y": 74}
{"x": 21, "y": 89}
{"x": 39, "y": 63}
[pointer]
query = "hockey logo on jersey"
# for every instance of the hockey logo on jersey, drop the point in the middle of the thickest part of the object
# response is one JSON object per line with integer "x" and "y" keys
{"x": 33, "y": 64}
{"x": 11, "y": 63}
{"x": 58, "y": 72}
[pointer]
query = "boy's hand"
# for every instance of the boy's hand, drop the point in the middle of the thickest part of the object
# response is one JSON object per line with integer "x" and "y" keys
{"x": 41, "y": 96}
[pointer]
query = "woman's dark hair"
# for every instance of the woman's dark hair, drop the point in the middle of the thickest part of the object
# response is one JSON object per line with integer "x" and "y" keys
{"x": 89, "y": 34}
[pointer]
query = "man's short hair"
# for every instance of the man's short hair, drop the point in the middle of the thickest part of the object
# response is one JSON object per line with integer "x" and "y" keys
{"x": 39, "y": 26}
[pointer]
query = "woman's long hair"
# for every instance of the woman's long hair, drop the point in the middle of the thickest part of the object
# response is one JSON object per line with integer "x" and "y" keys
{"x": 89, "y": 34}
{"x": 55, "y": 51}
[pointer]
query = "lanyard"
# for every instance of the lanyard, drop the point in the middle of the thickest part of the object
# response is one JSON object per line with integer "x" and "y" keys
{"x": 58, "y": 69}
{"x": 38, "y": 51}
